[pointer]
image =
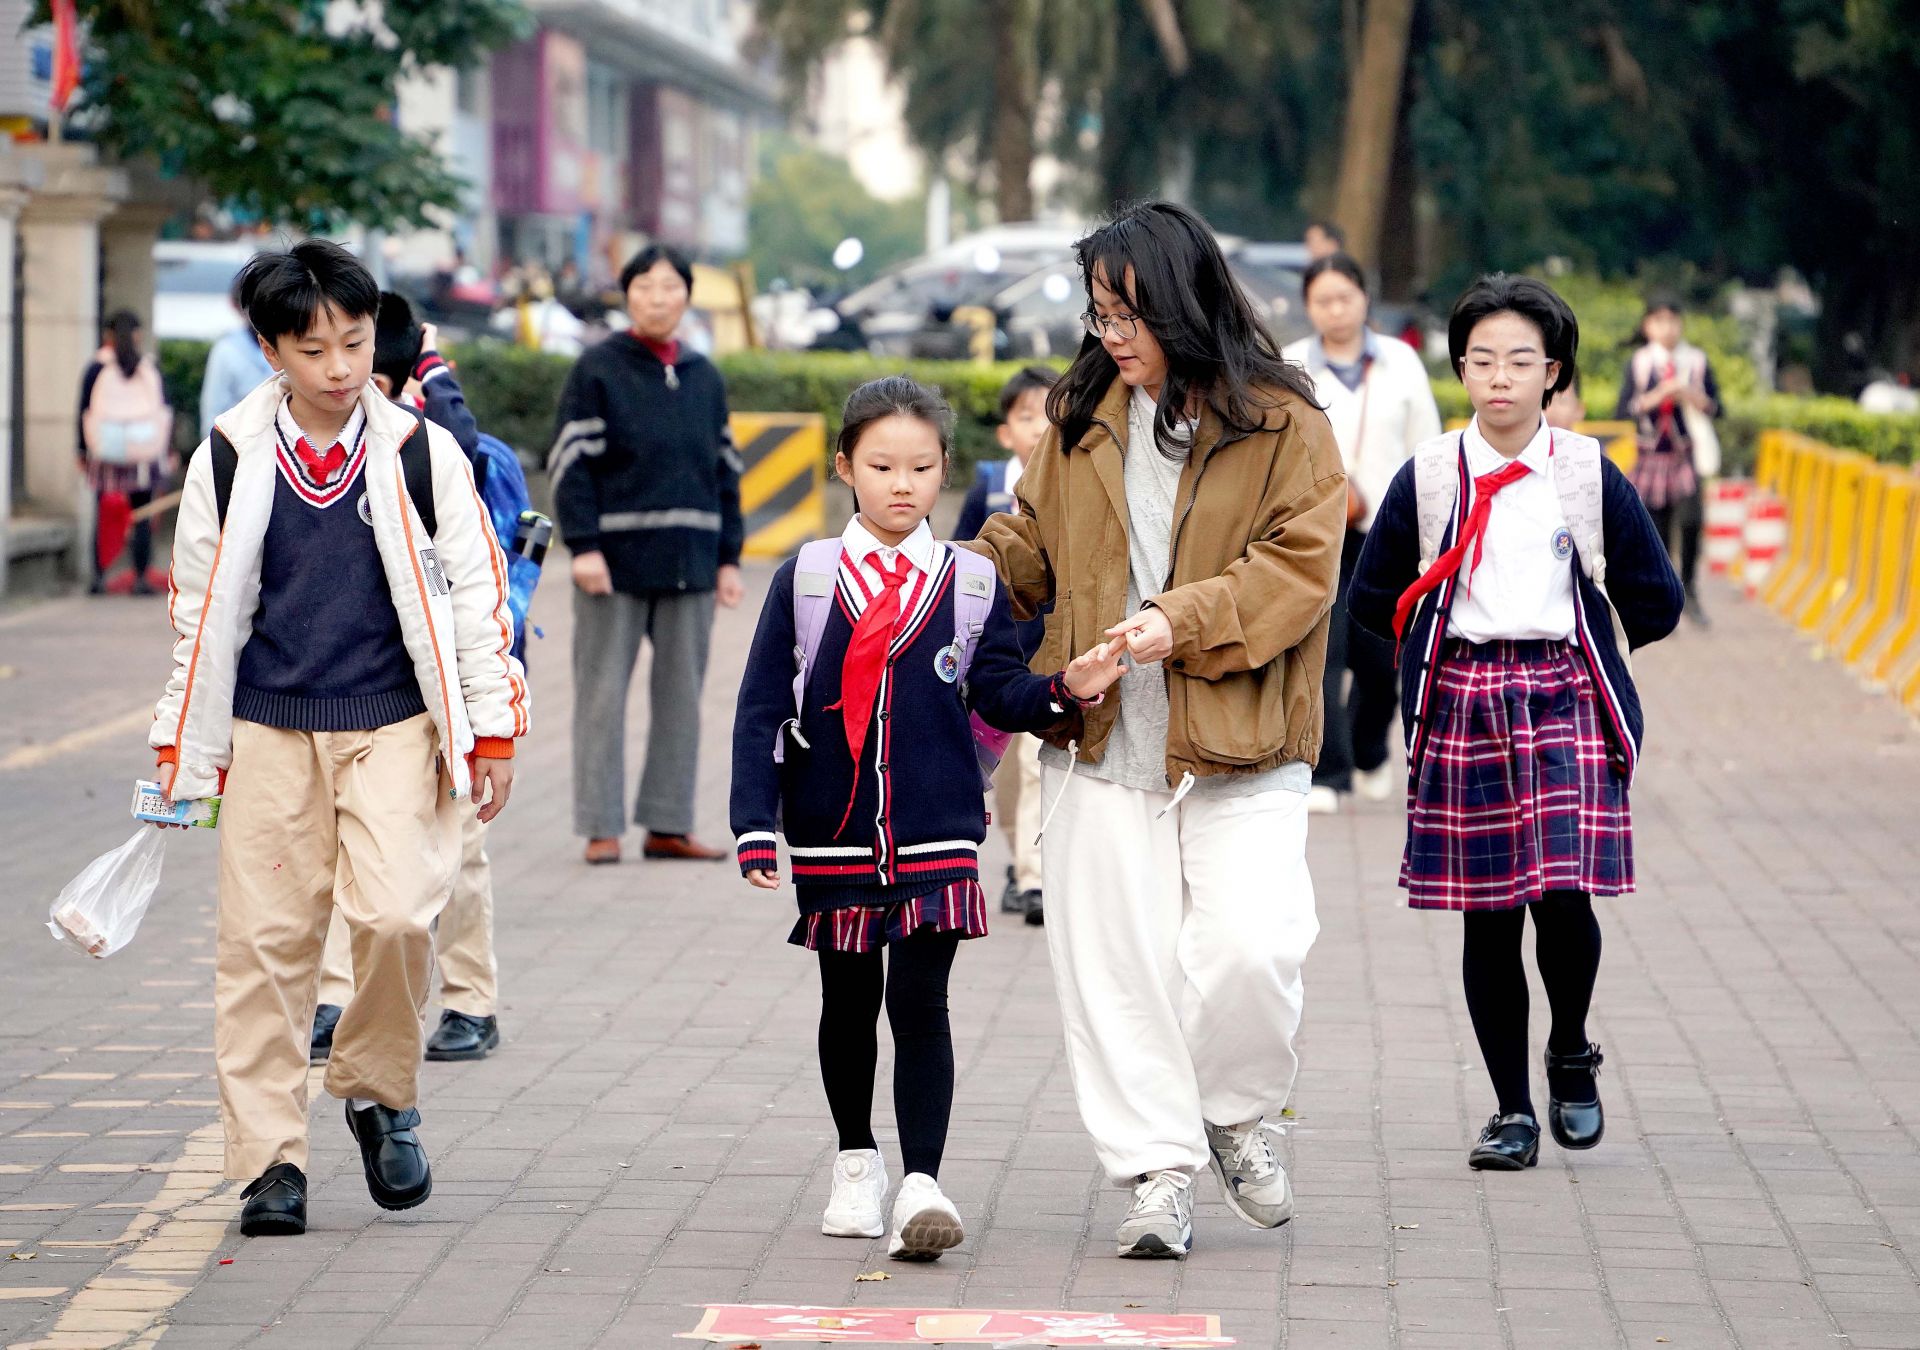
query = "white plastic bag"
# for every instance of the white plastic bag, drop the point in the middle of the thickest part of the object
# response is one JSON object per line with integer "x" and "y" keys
{"x": 100, "y": 910}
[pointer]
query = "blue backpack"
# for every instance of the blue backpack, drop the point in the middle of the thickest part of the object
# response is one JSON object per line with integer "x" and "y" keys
{"x": 503, "y": 487}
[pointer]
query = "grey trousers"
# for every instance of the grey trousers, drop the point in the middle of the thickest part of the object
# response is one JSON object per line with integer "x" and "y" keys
{"x": 607, "y": 630}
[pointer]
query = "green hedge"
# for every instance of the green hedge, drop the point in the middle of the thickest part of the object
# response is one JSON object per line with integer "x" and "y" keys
{"x": 513, "y": 393}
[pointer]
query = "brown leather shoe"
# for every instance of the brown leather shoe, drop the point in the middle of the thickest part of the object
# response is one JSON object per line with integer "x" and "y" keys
{"x": 603, "y": 851}
{"x": 682, "y": 848}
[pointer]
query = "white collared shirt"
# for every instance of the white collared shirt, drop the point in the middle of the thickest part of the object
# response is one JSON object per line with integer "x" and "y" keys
{"x": 349, "y": 434}
{"x": 1523, "y": 587}
{"x": 870, "y": 555}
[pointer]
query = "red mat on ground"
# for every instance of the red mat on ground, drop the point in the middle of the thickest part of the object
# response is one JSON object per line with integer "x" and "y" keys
{"x": 956, "y": 1326}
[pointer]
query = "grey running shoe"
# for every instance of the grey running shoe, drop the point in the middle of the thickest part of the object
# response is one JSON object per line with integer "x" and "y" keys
{"x": 1160, "y": 1224}
{"x": 1250, "y": 1173}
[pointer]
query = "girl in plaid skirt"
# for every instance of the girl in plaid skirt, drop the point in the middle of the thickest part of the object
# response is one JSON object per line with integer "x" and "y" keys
{"x": 1523, "y": 726}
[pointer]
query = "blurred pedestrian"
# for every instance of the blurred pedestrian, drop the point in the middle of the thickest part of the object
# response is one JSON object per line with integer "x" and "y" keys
{"x": 646, "y": 488}
{"x": 126, "y": 450}
{"x": 1181, "y": 431}
{"x": 1522, "y": 724}
{"x": 1323, "y": 239}
{"x": 1670, "y": 394}
{"x": 235, "y": 368}
{"x": 1023, "y": 422}
{"x": 1377, "y": 395}
{"x": 1566, "y": 410}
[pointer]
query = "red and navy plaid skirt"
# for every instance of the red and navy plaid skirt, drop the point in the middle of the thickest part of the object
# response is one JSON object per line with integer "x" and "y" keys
{"x": 1514, "y": 796}
{"x": 958, "y": 908}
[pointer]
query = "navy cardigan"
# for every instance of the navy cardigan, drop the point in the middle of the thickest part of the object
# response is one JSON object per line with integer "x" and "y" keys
{"x": 1640, "y": 579}
{"x": 919, "y": 815}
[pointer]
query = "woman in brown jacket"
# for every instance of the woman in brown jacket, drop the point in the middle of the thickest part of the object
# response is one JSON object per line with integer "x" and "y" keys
{"x": 1190, "y": 498}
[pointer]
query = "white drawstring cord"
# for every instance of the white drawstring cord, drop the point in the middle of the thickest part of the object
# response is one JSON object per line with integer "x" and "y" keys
{"x": 1187, "y": 781}
{"x": 1073, "y": 758}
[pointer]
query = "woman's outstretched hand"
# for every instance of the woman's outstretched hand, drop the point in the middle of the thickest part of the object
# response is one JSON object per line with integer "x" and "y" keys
{"x": 1148, "y": 634}
{"x": 1093, "y": 674}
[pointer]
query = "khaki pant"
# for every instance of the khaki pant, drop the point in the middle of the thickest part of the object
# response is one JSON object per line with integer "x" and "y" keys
{"x": 463, "y": 938}
{"x": 1021, "y": 806}
{"x": 311, "y": 821}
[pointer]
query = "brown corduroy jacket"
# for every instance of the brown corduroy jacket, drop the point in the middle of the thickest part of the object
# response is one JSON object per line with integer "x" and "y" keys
{"x": 1259, "y": 521}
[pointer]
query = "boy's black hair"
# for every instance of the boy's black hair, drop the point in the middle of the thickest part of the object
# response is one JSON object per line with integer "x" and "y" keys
{"x": 283, "y": 293}
{"x": 649, "y": 257}
{"x": 1329, "y": 229}
{"x": 1344, "y": 263}
{"x": 396, "y": 340}
{"x": 1534, "y": 301}
{"x": 1024, "y": 382}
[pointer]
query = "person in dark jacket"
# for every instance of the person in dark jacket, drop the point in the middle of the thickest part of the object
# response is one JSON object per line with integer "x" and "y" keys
{"x": 646, "y": 493}
{"x": 1523, "y": 727}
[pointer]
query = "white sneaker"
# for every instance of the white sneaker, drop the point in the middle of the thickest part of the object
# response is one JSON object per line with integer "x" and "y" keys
{"x": 1322, "y": 801}
{"x": 858, "y": 1206}
{"x": 1160, "y": 1223}
{"x": 1251, "y": 1177}
{"x": 925, "y": 1223}
{"x": 1374, "y": 785}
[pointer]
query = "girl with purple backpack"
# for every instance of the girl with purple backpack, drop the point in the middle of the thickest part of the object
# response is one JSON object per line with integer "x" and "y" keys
{"x": 853, "y": 738}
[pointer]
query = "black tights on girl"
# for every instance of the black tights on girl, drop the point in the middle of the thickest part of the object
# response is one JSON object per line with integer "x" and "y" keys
{"x": 914, "y": 988}
{"x": 1566, "y": 946}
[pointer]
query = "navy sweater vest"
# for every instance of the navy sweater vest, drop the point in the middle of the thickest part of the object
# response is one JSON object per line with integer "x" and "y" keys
{"x": 326, "y": 652}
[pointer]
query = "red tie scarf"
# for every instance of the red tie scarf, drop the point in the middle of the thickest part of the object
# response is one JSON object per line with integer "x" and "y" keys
{"x": 320, "y": 468}
{"x": 1472, "y": 536}
{"x": 866, "y": 657}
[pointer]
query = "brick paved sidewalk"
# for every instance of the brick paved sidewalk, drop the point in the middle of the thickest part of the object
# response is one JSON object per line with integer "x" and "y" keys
{"x": 652, "y": 1135}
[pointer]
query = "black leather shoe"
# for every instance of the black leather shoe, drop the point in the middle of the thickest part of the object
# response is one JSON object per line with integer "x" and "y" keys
{"x": 1036, "y": 909}
{"x": 460, "y": 1036}
{"x": 276, "y": 1203}
{"x": 325, "y": 1018}
{"x": 1011, "y": 899}
{"x": 1576, "y": 1124}
{"x": 397, "y": 1173}
{"x": 1508, "y": 1144}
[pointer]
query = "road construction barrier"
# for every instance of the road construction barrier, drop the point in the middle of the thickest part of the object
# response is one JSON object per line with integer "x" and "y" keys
{"x": 1726, "y": 519}
{"x": 783, "y": 482}
{"x": 1762, "y": 538}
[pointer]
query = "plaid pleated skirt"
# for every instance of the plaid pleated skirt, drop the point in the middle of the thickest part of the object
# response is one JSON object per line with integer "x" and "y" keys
{"x": 957, "y": 908}
{"x": 1513, "y": 796}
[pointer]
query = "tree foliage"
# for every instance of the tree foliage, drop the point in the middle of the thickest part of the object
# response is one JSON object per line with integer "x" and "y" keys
{"x": 804, "y": 202}
{"x": 283, "y": 108}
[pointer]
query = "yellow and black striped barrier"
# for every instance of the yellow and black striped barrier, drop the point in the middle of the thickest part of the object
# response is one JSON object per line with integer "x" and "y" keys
{"x": 783, "y": 481}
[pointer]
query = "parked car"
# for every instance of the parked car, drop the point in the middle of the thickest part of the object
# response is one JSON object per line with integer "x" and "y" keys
{"x": 192, "y": 279}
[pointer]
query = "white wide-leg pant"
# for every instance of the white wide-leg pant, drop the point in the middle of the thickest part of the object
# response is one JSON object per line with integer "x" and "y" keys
{"x": 1177, "y": 945}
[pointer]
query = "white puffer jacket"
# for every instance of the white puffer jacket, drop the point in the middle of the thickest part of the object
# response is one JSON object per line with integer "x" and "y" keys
{"x": 450, "y": 592}
{"x": 1378, "y": 425}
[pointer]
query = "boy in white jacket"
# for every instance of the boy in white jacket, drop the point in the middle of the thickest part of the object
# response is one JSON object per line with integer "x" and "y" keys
{"x": 343, "y": 676}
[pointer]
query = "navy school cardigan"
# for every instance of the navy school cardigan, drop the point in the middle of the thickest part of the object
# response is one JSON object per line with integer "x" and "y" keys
{"x": 1640, "y": 579}
{"x": 919, "y": 815}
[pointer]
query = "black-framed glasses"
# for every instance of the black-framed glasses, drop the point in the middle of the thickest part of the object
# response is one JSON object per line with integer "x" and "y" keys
{"x": 1123, "y": 326}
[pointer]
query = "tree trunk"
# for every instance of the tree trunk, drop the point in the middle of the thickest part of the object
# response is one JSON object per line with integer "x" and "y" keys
{"x": 1016, "y": 91}
{"x": 1373, "y": 109}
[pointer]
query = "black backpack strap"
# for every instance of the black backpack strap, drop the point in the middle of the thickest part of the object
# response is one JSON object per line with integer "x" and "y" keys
{"x": 416, "y": 464}
{"x": 225, "y": 461}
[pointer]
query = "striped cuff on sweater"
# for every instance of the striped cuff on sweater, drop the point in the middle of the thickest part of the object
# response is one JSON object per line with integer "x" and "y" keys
{"x": 758, "y": 852}
{"x": 430, "y": 365}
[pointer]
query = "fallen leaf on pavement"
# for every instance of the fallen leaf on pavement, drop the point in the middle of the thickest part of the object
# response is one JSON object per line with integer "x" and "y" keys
{"x": 21, "y": 1256}
{"x": 871, "y": 1275}
{"x": 1406, "y": 1227}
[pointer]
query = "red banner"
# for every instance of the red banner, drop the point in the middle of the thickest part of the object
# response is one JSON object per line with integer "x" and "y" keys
{"x": 956, "y": 1326}
{"x": 66, "y": 54}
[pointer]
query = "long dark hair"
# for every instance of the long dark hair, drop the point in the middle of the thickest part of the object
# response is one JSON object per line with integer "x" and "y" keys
{"x": 122, "y": 330}
{"x": 1218, "y": 351}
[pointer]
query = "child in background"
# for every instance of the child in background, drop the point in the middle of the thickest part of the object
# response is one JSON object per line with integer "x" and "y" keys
{"x": 1023, "y": 421}
{"x": 867, "y": 764}
{"x": 1499, "y": 562}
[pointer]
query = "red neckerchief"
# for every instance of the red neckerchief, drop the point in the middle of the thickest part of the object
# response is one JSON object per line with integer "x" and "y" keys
{"x": 1472, "y": 536}
{"x": 320, "y": 467}
{"x": 866, "y": 657}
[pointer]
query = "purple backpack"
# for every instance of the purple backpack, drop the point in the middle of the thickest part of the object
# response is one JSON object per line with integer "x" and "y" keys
{"x": 814, "y": 578}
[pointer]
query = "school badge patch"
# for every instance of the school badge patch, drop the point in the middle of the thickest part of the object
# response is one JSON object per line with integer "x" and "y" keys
{"x": 946, "y": 662}
{"x": 1563, "y": 543}
{"x": 365, "y": 510}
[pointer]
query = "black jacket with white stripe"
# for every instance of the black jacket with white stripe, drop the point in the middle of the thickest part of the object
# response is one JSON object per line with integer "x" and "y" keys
{"x": 643, "y": 467}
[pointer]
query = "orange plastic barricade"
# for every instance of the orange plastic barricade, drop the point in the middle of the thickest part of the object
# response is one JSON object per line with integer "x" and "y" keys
{"x": 1845, "y": 612}
{"x": 1892, "y": 561}
{"x": 1834, "y": 574}
{"x": 1808, "y": 495}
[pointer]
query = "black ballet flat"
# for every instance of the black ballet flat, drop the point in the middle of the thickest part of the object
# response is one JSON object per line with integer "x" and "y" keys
{"x": 1507, "y": 1144}
{"x": 1576, "y": 1124}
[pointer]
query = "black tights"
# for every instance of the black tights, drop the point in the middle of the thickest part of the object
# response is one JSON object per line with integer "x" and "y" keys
{"x": 1566, "y": 946}
{"x": 1683, "y": 518}
{"x": 914, "y": 988}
